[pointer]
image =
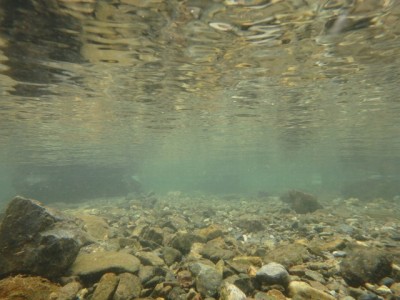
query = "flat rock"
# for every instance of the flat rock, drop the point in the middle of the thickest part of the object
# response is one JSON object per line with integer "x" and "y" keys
{"x": 129, "y": 287}
{"x": 39, "y": 240}
{"x": 106, "y": 287}
{"x": 302, "y": 291}
{"x": 149, "y": 258}
{"x": 97, "y": 263}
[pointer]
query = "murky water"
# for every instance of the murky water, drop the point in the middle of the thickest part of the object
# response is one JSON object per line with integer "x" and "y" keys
{"x": 233, "y": 96}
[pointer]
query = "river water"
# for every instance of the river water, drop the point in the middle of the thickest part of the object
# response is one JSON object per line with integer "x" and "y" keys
{"x": 234, "y": 96}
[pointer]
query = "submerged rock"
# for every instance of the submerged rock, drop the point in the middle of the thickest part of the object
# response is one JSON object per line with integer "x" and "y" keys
{"x": 273, "y": 273}
{"x": 231, "y": 292}
{"x": 35, "y": 239}
{"x": 106, "y": 287}
{"x": 97, "y": 263}
{"x": 32, "y": 288}
{"x": 301, "y": 202}
{"x": 207, "y": 279}
{"x": 129, "y": 287}
{"x": 302, "y": 291}
{"x": 364, "y": 265}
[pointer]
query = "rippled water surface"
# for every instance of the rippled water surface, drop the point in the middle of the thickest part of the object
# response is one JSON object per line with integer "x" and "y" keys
{"x": 234, "y": 95}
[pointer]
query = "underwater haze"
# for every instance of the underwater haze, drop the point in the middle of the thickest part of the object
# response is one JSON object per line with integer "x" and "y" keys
{"x": 236, "y": 97}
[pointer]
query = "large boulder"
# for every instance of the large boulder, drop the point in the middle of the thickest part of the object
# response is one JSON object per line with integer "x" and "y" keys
{"x": 35, "y": 239}
{"x": 301, "y": 202}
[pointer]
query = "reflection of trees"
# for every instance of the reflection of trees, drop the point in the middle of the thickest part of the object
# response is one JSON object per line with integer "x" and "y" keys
{"x": 36, "y": 34}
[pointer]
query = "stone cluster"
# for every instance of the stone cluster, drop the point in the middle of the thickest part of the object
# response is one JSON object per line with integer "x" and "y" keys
{"x": 182, "y": 247}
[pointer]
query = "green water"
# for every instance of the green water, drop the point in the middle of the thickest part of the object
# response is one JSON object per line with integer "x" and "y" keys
{"x": 213, "y": 97}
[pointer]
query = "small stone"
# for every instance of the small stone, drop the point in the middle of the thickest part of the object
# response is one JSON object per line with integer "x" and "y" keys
{"x": 383, "y": 290}
{"x": 171, "y": 255}
{"x": 387, "y": 281}
{"x": 215, "y": 253}
{"x": 314, "y": 276}
{"x": 184, "y": 241}
{"x": 273, "y": 273}
{"x": 129, "y": 287}
{"x": 339, "y": 253}
{"x": 231, "y": 292}
{"x": 69, "y": 291}
{"x": 395, "y": 287}
{"x": 302, "y": 291}
{"x": 106, "y": 287}
{"x": 208, "y": 279}
{"x": 210, "y": 232}
{"x": 149, "y": 258}
{"x": 276, "y": 294}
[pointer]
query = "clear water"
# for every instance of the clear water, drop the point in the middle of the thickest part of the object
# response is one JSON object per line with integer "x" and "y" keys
{"x": 230, "y": 97}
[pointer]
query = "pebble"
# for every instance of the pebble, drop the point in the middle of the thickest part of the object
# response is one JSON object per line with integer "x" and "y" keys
{"x": 273, "y": 273}
{"x": 231, "y": 292}
{"x": 302, "y": 291}
{"x": 129, "y": 287}
{"x": 339, "y": 253}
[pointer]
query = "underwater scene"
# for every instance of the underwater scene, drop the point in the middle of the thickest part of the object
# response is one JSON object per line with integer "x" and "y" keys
{"x": 199, "y": 149}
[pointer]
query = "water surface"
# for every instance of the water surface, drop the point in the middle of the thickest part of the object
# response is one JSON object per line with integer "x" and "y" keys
{"x": 232, "y": 96}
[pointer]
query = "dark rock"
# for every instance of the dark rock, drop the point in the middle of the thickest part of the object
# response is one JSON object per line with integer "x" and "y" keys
{"x": 369, "y": 296}
{"x": 273, "y": 273}
{"x": 92, "y": 265}
{"x": 365, "y": 265}
{"x": 301, "y": 202}
{"x": 154, "y": 234}
{"x": 387, "y": 281}
{"x": 177, "y": 293}
{"x": 184, "y": 241}
{"x": 207, "y": 279}
{"x": 245, "y": 283}
{"x": 171, "y": 255}
{"x": 129, "y": 287}
{"x": 106, "y": 287}
{"x": 35, "y": 239}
